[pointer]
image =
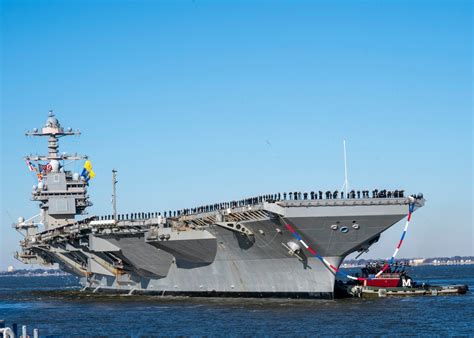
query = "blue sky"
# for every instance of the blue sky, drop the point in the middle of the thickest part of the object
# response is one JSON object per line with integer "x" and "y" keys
{"x": 204, "y": 101}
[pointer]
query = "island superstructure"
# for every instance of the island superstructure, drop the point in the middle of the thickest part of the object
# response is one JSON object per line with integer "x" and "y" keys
{"x": 239, "y": 248}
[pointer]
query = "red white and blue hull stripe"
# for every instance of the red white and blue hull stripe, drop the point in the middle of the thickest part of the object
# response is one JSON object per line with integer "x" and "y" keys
{"x": 336, "y": 270}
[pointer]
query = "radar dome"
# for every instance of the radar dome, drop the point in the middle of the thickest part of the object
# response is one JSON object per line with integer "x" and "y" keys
{"x": 21, "y": 219}
{"x": 75, "y": 177}
{"x": 54, "y": 166}
{"x": 52, "y": 121}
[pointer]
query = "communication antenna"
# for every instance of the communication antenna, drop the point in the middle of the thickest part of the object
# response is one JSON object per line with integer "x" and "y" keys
{"x": 114, "y": 193}
{"x": 345, "y": 187}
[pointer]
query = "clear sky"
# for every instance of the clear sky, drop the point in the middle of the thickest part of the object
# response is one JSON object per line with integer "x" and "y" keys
{"x": 204, "y": 101}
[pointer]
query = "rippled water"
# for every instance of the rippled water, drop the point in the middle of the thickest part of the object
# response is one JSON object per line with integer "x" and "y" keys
{"x": 54, "y": 305}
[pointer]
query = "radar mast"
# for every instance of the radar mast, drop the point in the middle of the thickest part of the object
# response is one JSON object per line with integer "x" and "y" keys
{"x": 62, "y": 194}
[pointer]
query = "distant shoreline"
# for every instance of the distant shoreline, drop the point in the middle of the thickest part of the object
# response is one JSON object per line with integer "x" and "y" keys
{"x": 436, "y": 261}
{"x": 355, "y": 265}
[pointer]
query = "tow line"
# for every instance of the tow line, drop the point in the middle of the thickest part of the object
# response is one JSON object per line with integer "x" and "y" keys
{"x": 411, "y": 207}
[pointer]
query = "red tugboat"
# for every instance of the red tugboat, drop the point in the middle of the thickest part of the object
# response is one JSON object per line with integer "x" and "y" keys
{"x": 394, "y": 276}
{"x": 394, "y": 281}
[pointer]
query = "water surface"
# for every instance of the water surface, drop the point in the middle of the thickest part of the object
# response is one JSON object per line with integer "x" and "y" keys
{"x": 57, "y": 308}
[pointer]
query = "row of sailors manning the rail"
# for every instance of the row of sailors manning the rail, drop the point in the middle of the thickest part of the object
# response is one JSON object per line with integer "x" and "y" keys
{"x": 292, "y": 196}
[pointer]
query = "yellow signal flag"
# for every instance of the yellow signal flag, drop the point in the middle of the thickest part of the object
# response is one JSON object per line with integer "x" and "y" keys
{"x": 88, "y": 165}
{"x": 91, "y": 174}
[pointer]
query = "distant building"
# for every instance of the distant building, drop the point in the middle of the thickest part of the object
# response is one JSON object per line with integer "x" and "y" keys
{"x": 417, "y": 261}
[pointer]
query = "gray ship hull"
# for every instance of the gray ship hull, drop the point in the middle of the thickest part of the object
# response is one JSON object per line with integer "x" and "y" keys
{"x": 216, "y": 260}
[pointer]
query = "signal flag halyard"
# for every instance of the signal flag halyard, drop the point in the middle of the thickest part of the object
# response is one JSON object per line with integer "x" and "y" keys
{"x": 30, "y": 166}
{"x": 87, "y": 172}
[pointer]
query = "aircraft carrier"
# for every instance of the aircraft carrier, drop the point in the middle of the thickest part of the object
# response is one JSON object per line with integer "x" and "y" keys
{"x": 239, "y": 248}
